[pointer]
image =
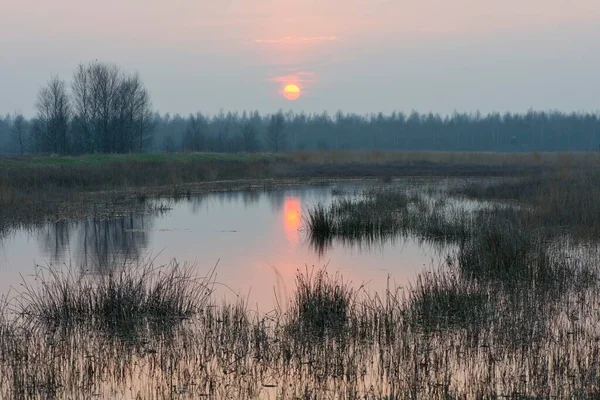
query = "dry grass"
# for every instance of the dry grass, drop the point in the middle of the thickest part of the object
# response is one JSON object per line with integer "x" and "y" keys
{"x": 532, "y": 159}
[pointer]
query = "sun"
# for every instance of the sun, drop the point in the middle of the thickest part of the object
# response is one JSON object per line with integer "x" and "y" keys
{"x": 291, "y": 92}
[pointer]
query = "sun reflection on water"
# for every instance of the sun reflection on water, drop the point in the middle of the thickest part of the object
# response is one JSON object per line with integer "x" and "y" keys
{"x": 292, "y": 218}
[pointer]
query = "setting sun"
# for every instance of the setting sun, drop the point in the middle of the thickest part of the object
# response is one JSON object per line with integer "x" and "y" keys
{"x": 291, "y": 92}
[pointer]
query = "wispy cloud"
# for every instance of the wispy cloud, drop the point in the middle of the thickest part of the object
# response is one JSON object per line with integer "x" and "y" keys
{"x": 295, "y": 78}
{"x": 296, "y": 40}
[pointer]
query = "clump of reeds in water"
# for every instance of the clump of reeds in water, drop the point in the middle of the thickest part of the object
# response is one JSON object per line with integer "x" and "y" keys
{"x": 321, "y": 304}
{"x": 443, "y": 300}
{"x": 320, "y": 221}
{"x": 380, "y": 215}
{"x": 128, "y": 297}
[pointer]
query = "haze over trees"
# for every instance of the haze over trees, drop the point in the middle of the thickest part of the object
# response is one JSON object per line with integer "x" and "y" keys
{"x": 104, "y": 110}
{"x": 19, "y": 132}
{"x": 276, "y": 132}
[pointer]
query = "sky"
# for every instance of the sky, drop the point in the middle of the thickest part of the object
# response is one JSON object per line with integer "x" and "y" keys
{"x": 360, "y": 56}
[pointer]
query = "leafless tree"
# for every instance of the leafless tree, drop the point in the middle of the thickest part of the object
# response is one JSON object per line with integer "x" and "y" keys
{"x": 276, "y": 131}
{"x": 53, "y": 118}
{"x": 95, "y": 96}
{"x": 113, "y": 111}
{"x": 19, "y": 132}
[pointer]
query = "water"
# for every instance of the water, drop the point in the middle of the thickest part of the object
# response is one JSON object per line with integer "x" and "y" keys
{"x": 255, "y": 237}
{"x": 534, "y": 334}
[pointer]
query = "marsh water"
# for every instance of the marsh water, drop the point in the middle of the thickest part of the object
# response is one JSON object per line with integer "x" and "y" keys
{"x": 496, "y": 308}
{"x": 255, "y": 238}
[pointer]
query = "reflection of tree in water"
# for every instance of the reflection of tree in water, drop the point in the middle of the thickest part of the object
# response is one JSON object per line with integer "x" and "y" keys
{"x": 276, "y": 199}
{"x": 55, "y": 239}
{"x": 104, "y": 244}
{"x": 101, "y": 244}
{"x": 248, "y": 197}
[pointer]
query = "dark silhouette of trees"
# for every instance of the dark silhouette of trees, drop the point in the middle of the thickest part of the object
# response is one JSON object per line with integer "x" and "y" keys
{"x": 19, "y": 132}
{"x": 168, "y": 144}
{"x": 231, "y": 132}
{"x": 276, "y": 132}
{"x": 249, "y": 136}
{"x": 112, "y": 111}
{"x": 51, "y": 129}
{"x": 194, "y": 137}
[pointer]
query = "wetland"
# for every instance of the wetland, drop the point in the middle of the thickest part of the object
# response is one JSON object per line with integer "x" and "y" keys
{"x": 395, "y": 288}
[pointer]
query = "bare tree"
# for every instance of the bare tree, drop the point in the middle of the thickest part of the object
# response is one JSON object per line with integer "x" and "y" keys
{"x": 249, "y": 135}
{"x": 54, "y": 118}
{"x": 113, "y": 111}
{"x": 19, "y": 132}
{"x": 276, "y": 131}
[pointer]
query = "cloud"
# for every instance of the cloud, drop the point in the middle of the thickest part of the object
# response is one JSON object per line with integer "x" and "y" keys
{"x": 295, "y": 78}
{"x": 296, "y": 40}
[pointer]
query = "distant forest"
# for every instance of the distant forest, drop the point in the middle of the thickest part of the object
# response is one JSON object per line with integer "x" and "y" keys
{"x": 104, "y": 110}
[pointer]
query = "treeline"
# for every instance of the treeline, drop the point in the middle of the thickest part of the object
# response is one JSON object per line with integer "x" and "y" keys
{"x": 532, "y": 131}
{"x": 104, "y": 110}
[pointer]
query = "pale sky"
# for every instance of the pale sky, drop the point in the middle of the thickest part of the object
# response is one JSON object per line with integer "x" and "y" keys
{"x": 356, "y": 55}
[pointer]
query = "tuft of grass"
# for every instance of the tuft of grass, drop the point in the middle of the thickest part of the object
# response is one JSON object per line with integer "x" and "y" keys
{"x": 121, "y": 300}
{"x": 320, "y": 221}
{"x": 442, "y": 300}
{"x": 321, "y": 305}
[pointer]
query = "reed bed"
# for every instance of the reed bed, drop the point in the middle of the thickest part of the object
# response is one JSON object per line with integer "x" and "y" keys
{"x": 447, "y": 336}
{"x": 511, "y": 313}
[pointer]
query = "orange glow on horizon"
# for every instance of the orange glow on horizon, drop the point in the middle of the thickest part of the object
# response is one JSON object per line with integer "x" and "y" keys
{"x": 292, "y": 218}
{"x": 291, "y": 92}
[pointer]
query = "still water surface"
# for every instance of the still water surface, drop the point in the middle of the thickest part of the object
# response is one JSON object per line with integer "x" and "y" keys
{"x": 256, "y": 237}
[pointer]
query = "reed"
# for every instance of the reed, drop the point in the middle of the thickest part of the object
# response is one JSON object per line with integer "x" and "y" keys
{"x": 122, "y": 300}
{"x": 321, "y": 304}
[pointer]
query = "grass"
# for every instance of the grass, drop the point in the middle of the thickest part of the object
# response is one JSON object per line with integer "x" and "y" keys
{"x": 121, "y": 300}
{"x": 448, "y": 158}
{"x": 441, "y": 301}
{"x": 321, "y": 305}
{"x": 132, "y": 159}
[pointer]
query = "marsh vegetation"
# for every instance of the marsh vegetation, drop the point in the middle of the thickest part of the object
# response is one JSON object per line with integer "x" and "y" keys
{"x": 511, "y": 312}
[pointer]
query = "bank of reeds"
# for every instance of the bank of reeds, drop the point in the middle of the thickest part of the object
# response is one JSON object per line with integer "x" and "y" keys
{"x": 563, "y": 201}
